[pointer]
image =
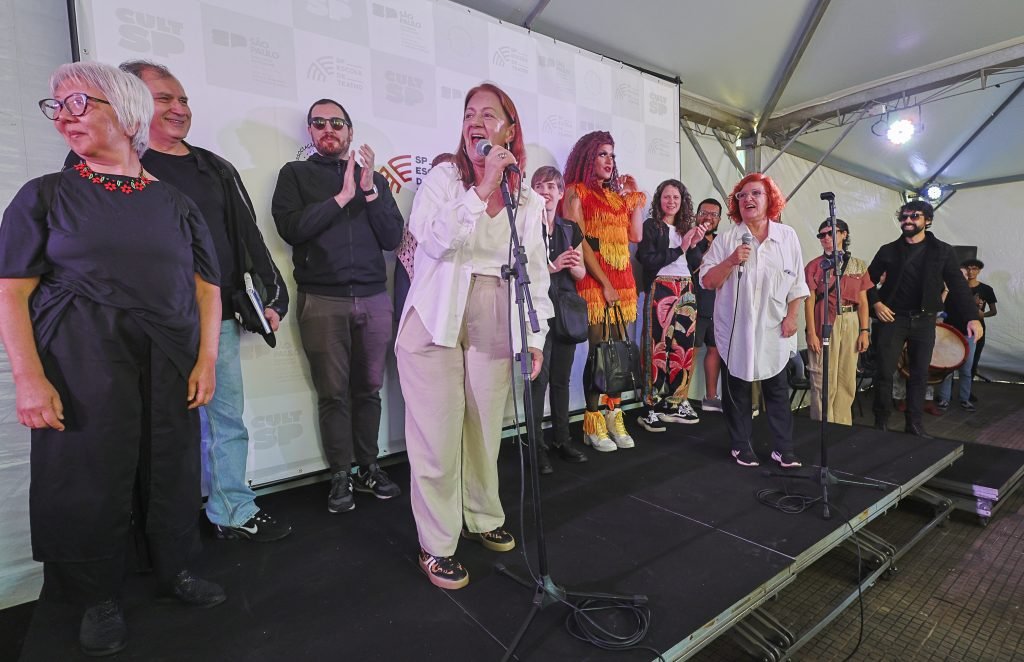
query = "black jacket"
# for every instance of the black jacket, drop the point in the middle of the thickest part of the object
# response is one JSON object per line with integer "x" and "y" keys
{"x": 941, "y": 269}
{"x": 240, "y": 216}
{"x": 336, "y": 251}
{"x": 653, "y": 252}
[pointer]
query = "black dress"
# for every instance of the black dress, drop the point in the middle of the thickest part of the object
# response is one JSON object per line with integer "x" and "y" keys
{"x": 116, "y": 325}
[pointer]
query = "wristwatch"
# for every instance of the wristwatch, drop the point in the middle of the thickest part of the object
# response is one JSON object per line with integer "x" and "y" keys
{"x": 372, "y": 191}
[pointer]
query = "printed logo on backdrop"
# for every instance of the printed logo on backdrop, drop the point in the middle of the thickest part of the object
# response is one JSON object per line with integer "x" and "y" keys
{"x": 588, "y": 120}
{"x": 403, "y": 90}
{"x": 556, "y": 125}
{"x": 661, "y": 148}
{"x": 511, "y": 57}
{"x": 460, "y": 42}
{"x": 339, "y": 19}
{"x": 661, "y": 104}
{"x": 342, "y": 73}
{"x": 248, "y": 54}
{"x": 556, "y": 75}
{"x": 593, "y": 83}
{"x": 627, "y": 94}
{"x": 142, "y": 32}
{"x": 404, "y": 171}
{"x": 271, "y": 430}
{"x": 401, "y": 29}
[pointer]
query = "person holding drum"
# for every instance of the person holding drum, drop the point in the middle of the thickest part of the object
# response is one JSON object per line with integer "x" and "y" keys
{"x": 850, "y": 331}
{"x": 916, "y": 269}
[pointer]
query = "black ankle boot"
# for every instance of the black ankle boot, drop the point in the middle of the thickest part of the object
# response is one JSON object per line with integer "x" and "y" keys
{"x": 103, "y": 630}
{"x": 570, "y": 454}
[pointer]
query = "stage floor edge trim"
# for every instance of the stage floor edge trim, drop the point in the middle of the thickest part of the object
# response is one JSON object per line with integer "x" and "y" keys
{"x": 745, "y": 605}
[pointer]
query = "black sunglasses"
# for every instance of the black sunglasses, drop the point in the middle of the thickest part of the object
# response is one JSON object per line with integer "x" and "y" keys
{"x": 914, "y": 215}
{"x": 337, "y": 123}
{"x": 822, "y": 235}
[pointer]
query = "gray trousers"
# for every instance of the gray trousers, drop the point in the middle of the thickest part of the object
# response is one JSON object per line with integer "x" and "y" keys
{"x": 346, "y": 341}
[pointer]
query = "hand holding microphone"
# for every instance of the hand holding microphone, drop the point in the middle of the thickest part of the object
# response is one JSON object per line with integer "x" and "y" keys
{"x": 496, "y": 161}
{"x": 742, "y": 252}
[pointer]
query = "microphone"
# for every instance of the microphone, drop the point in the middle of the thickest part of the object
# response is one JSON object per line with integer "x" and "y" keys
{"x": 828, "y": 195}
{"x": 484, "y": 147}
{"x": 747, "y": 240}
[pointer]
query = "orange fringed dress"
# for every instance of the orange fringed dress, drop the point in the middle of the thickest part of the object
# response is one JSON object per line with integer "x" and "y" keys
{"x": 606, "y": 216}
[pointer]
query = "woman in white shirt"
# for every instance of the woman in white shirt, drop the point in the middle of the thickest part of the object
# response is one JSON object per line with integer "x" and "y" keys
{"x": 453, "y": 348}
{"x": 670, "y": 307}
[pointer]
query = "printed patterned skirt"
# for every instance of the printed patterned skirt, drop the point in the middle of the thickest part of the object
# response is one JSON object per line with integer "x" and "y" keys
{"x": 670, "y": 316}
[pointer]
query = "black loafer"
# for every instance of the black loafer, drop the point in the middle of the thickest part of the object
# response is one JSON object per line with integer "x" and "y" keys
{"x": 103, "y": 630}
{"x": 916, "y": 430}
{"x": 194, "y": 591}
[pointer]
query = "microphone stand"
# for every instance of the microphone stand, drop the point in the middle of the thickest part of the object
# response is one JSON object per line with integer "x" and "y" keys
{"x": 824, "y": 477}
{"x": 546, "y": 591}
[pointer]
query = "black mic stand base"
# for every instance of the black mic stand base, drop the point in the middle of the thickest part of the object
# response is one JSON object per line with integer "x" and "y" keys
{"x": 826, "y": 480}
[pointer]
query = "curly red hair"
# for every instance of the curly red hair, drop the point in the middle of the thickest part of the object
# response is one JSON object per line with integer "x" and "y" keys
{"x": 517, "y": 146}
{"x": 579, "y": 167}
{"x": 776, "y": 201}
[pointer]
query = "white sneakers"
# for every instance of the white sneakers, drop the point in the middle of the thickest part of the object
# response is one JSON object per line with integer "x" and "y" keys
{"x": 617, "y": 428}
{"x": 598, "y": 439}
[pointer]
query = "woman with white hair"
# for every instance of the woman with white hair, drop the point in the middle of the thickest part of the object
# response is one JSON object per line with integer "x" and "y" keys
{"x": 110, "y": 314}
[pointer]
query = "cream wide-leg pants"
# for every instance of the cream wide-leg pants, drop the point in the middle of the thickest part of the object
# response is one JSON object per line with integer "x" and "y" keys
{"x": 455, "y": 399}
{"x": 842, "y": 371}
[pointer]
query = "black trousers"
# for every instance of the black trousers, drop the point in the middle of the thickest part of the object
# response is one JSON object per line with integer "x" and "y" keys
{"x": 554, "y": 375}
{"x": 978, "y": 346}
{"x": 737, "y": 405}
{"x": 126, "y": 416}
{"x": 889, "y": 337}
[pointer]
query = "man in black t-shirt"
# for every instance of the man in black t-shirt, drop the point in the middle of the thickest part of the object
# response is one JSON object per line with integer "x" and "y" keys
{"x": 914, "y": 270}
{"x": 708, "y": 211}
{"x": 985, "y": 298}
{"x": 216, "y": 188}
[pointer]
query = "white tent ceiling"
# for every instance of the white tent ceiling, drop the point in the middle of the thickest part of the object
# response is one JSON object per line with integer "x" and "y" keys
{"x": 953, "y": 64}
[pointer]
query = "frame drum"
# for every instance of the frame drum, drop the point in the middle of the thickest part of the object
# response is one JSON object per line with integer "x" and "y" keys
{"x": 949, "y": 353}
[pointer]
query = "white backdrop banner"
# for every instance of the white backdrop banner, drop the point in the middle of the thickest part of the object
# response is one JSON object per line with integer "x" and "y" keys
{"x": 402, "y": 69}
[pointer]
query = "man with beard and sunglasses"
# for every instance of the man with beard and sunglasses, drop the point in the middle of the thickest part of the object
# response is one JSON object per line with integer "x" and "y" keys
{"x": 339, "y": 215}
{"x": 914, "y": 270}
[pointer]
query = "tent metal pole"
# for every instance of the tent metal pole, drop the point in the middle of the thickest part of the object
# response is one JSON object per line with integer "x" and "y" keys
{"x": 703, "y": 157}
{"x": 846, "y": 132}
{"x": 730, "y": 150}
{"x": 789, "y": 142}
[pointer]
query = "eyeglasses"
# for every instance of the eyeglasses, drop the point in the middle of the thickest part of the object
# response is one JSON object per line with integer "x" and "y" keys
{"x": 708, "y": 214}
{"x": 75, "y": 103}
{"x": 337, "y": 123}
{"x": 756, "y": 194}
{"x": 914, "y": 215}
{"x": 822, "y": 235}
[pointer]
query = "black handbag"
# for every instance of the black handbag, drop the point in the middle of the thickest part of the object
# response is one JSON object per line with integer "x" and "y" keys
{"x": 612, "y": 363}
{"x": 571, "y": 323}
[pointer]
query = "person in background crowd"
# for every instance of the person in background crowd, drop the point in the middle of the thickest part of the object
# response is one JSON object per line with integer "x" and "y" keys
{"x": 217, "y": 189}
{"x": 110, "y": 314}
{"x": 453, "y": 348}
{"x": 563, "y": 240}
{"x": 609, "y": 210}
{"x": 339, "y": 216}
{"x": 709, "y": 213}
{"x": 985, "y": 297}
{"x": 850, "y": 331}
{"x": 914, "y": 270}
{"x": 670, "y": 308}
{"x": 945, "y": 392}
{"x": 756, "y": 267}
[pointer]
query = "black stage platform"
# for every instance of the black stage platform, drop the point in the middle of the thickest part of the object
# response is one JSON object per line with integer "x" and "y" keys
{"x": 982, "y": 480}
{"x": 675, "y": 519}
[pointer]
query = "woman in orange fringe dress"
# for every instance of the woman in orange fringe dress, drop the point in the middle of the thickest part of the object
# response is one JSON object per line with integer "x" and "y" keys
{"x": 609, "y": 209}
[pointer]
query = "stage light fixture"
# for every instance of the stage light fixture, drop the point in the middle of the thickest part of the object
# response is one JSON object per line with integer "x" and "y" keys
{"x": 933, "y": 192}
{"x": 900, "y": 132}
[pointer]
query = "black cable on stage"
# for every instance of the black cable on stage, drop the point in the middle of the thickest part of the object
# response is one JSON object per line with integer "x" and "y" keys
{"x": 579, "y": 622}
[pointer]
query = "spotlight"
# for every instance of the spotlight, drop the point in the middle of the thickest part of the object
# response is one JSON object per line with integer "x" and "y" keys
{"x": 933, "y": 192}
{"x": 900, "y": 132}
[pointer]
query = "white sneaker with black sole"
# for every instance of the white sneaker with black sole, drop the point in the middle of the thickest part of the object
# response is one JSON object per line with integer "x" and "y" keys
{"x": 651, "y": 421}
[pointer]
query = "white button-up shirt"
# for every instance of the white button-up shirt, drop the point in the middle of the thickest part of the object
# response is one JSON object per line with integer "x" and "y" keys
{"x": 749, "y": 310}
{"x": 456, "y": 239}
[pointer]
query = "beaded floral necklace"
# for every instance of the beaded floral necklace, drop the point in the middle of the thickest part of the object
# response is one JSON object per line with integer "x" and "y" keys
{"x": 126, "y": 185}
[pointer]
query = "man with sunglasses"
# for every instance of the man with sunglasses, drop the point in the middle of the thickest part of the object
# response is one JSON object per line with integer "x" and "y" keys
{"x": 217, "y": 189}
{"x": 913, "y": 272}
{"x": 339, "y": 215}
